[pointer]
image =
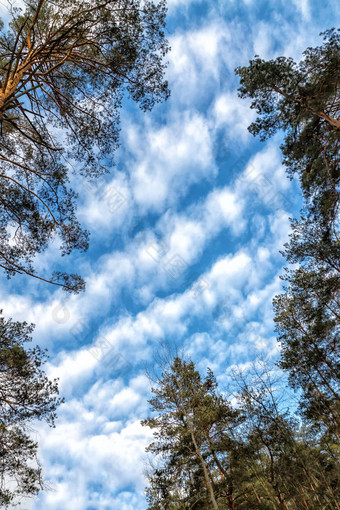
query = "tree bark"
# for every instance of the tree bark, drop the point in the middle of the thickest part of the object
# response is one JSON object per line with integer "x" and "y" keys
{"x": 331, "y": 120}
{"x": 205, "y": 471}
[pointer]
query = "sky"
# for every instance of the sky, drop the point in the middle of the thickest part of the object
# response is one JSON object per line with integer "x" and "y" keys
{"x": 185, "y": 241}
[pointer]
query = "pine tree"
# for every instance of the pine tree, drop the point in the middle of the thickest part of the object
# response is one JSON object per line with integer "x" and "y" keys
{"x": 255, "y": 455}
{"x": 284, "y": 456}
{"x": 307, "y": 321}
{"x": 193, "y": 438}
{"x": 64, "y": 69}
{"x": 302, "y": 99}
{"x": 26, "y": 395}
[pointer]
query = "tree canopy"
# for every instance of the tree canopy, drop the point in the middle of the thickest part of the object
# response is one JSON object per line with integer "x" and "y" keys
{"x": 192, "y": 427}
{"x": 64, "y": 70}
{"x": 26, "y": 395}
{"x": 252, "y": 454}
{"x": 307, "y": 321}
{"x": 303, "y": 100}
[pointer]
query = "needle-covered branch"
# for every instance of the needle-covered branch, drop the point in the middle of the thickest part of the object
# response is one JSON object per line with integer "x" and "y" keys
{"x": 303, "y": 100}
{"x": 26, "y": 395}
{"x": 64, "y": 70}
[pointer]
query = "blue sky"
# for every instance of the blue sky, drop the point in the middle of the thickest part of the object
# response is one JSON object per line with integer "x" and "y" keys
{"x": 185, "y": 240}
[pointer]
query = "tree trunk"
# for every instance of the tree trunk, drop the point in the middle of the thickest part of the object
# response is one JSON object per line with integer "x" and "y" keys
{"x": 330, "y": 120}
{"x": 205, "y": 471}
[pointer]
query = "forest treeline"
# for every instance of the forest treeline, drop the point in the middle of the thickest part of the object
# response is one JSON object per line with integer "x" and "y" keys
{"x": 236, "y": 450}
{"x": 257, "y": 446}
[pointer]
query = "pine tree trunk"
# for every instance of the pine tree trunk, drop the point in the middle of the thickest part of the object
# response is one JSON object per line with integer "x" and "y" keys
{"x": 205, "y": 471}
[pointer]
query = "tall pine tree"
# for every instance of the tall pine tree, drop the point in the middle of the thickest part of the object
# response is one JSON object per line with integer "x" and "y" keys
{"x": 303, "y": 100}
{"x": 64, "y": 69}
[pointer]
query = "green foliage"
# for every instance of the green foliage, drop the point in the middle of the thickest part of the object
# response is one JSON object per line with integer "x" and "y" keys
{"x": 26, "y": 395}
{"x": 302, "y": 99}
{"x": 287, "y": 463}
{"x": 307, "y": 318}
{"x": 257, "y": 455}
{"x": 193, "y": 426}
{"x": 64, "y": 70}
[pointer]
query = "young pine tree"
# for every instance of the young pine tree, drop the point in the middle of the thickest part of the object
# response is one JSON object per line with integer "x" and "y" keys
{"x": 194, "y": 442}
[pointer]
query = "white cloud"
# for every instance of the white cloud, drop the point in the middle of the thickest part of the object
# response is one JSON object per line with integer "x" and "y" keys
{"x": 179, "y": 154}
{"x": 195, "y": 60}
{"x": 175, "y": 4}
{"x": 105, "y": 205}
{"x": 234, "y": 114}
{"x": 304, "y": 8}
{"x": 94, "y": 457}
